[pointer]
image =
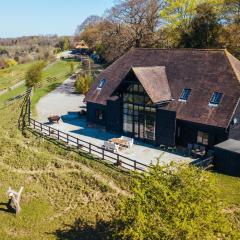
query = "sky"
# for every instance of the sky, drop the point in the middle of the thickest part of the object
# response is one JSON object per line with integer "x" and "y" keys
{"x": 37, "y": 17}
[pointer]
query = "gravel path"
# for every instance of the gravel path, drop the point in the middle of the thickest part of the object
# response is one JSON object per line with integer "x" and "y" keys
{"x": 60, "y": 102}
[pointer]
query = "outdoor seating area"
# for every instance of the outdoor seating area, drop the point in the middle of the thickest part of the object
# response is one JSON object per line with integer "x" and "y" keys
{"x": 114, "y": 144}
{"x": 196, "y": 150}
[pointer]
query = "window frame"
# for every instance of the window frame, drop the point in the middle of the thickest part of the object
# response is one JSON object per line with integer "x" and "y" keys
{"x": 215, "y": 96}
{"x": 101, "y": 83}
{"x": 181, "y": 99}
{"x": 204, "y": 138}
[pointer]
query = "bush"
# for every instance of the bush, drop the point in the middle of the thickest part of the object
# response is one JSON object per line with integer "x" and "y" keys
{"x": 10, "y": 62}
{"x": 83, "y": 83}
{"x": 34, "y": 74}
{"x": 180, "y": 204}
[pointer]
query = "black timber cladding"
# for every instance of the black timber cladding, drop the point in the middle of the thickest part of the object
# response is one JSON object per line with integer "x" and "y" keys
{"x": 114, "y": 115}
{"x": 165, "y": 127}
{"x": 227, "y": 157}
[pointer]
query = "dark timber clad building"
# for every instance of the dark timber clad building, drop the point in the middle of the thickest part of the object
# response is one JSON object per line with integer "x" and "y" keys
{"x": 170, "y": 97}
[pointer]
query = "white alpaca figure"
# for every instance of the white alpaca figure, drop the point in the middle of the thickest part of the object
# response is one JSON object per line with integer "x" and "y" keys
{"x": 14, "y": 198}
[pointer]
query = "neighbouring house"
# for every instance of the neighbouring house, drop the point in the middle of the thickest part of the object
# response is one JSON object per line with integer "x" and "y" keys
{"x": 169, "y": 97}
{"x": 81, "y": 45}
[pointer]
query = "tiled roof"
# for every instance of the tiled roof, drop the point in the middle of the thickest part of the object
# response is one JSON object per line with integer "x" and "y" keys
{"x": 203, "y": 71}
{"x": 154, "y": 81}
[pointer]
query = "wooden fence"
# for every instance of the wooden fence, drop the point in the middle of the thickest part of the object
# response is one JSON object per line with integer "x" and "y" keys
{"x": 88, "y": 147}
{"x": 203, "y": 163}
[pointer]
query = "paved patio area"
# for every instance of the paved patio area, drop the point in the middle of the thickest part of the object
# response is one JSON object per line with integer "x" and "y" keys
{"x": 65, "y": 103}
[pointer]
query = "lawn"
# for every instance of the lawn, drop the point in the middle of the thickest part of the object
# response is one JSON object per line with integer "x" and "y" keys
{"x": 13, "y": 75}
{"x": 59, "y": 186}
{"x": 229, "y": 188}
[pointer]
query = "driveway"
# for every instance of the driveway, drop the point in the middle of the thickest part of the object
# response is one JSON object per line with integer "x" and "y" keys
{"x": 63, "y": 101}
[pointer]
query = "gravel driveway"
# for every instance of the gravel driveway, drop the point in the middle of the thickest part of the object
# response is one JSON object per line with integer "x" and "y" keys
{"x": 60, "y": 102}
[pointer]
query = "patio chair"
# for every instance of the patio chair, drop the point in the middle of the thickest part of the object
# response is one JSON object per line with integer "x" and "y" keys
{"x": 130, "y": 141}
{"x": 111, "y": 146}
{"x": 195, "y": 146}
{"x": 162, "y": 146}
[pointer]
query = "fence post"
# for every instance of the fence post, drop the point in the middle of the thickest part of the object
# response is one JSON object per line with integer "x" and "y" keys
{"x": 135, "y": 165}
{"x": 77, "y": 143}
{"x": 118, "y": 160}
{"x": 58, "y": 135}
{"x": 33, "y": 124}
{"x": 49, "y": 132}
{"x": 67, "y": 139}
{"x": 103, "y": 151}
{"x": 90, "y": 148}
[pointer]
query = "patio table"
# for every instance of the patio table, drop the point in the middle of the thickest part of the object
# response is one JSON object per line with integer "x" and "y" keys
{"x": 198, "y": 152}
{"x": 120, "y": 142}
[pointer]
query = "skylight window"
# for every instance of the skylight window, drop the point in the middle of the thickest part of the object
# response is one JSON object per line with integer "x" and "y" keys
{"x": 216, "y": 98}
{"x": 185, "y": 94}
{"x": 101, "y": 84}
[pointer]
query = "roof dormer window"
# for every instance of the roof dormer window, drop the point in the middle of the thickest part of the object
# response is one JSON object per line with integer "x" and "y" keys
{"x": 101, "y": 84}
{"x": 215, "y": 100}
{"x": 185, "y": 94}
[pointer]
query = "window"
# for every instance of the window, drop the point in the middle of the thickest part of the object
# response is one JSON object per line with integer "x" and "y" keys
{"x": 101, "y": 84}
{"x": 185, "y": 94}
{"x": 99, "y": 114}
{"x": 216, "y": 98}
{"x": 202, "y": 138}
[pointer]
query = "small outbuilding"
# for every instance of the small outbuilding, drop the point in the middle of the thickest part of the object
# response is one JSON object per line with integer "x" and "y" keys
{"x": 227, "y": 157}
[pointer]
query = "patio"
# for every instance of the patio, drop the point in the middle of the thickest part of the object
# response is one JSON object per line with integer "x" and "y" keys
{"x": 63, "y": 102}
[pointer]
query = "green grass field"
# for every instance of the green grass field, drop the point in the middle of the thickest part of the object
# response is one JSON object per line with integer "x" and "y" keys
{"x": 60, "y": 186}
{"x": 13, "y": 75}
{"x": 54, "y": 75}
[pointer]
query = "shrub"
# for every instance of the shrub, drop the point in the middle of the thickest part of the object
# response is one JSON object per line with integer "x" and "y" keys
{"x": 34, "y": 74}
{"x": 10, "y": 62}
{"x": 83, "y": 83}
{"x": 167, "y": 204}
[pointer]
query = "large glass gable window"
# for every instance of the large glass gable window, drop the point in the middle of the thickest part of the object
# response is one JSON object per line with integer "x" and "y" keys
{"x": 139, "y": 114}
{"x": 216, "y": 98}
{"x": 185, "y": 94}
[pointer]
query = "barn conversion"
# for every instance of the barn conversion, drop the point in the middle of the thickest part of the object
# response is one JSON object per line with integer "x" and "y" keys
{"x": 169, "y": 97}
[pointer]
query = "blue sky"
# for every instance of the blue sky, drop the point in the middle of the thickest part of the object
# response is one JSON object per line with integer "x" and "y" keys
{"x": 34, "y": 17}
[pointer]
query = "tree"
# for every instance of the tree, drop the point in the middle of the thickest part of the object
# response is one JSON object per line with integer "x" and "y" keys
{"x": 83, "y": 83}
{"x": 174, "y": 202}
{"x": 232, "y": 11}
{"x": 34, "y": 74}
{"x": 204, "y": 29}
{"x": 89, "y": 21}
{"x": 141, "y": 17}
{"x": 64, "y": 44}
{"x": 71, "y": 65}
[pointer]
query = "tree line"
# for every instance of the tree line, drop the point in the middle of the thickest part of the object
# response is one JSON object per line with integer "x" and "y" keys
{"x": 164, "y": 24}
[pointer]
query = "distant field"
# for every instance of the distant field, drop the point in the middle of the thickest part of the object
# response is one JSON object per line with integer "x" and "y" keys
{"x": 12, "y": 75}
{"x": 54, "y": 75}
